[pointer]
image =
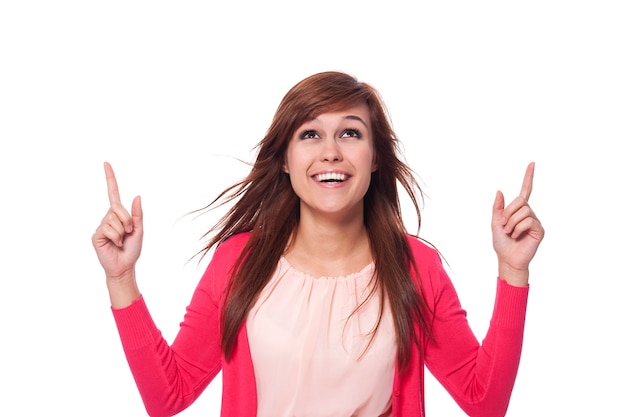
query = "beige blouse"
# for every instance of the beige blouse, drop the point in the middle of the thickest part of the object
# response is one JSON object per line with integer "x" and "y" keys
{"x": 312, "y": 356}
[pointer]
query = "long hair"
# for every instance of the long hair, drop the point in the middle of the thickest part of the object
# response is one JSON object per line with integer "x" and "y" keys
{"x": 266, "y": 205}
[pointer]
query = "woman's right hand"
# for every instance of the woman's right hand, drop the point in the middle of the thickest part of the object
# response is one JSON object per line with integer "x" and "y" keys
{"x": 118, "y": 238}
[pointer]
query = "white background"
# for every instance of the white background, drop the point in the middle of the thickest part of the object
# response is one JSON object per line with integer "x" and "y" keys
{"x": 170, "y": 92}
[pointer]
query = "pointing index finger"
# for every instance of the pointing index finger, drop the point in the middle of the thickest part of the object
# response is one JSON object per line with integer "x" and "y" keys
{"x": 113, "y": 190}
{"x": 527, "y": 185}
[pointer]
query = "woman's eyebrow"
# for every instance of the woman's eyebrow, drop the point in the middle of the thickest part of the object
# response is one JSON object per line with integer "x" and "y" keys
{"x": 357, "y": 118}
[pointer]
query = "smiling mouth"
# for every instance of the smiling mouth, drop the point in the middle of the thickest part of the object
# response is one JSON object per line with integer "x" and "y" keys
{"x": 330, "y": 177}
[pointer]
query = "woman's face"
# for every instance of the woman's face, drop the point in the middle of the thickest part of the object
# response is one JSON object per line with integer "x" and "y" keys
{"x": 330, "y": 160}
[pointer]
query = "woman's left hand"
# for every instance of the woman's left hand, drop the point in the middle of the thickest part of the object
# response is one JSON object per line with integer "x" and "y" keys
{"x": 517, "y": 233}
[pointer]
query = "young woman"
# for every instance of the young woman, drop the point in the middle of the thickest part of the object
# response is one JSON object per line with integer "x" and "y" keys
{"x": 317, "y": 302}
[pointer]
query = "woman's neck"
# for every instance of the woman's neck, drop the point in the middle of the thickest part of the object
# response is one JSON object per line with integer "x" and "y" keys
{"x": 329, "y": 248}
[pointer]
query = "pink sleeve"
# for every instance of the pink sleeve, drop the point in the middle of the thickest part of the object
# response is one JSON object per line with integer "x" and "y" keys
{"x": 170, "y": 379}
{"x": 479, "y": 377}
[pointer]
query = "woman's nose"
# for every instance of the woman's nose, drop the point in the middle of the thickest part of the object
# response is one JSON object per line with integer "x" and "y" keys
{"x": 331, "y": 151}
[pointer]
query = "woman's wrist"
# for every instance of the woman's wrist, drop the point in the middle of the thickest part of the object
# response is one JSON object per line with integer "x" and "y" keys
{"x": 123, "y": 290}
{"x": 513, "y": 276}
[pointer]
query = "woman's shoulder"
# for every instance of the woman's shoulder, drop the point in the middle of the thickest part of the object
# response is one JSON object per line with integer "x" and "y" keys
{"x": 223, "y": 260}
{"x": 228, "y": 251}
{"x": 429, "y": 262}
{"x": 234, "y": 243}
{"x": 421, "y": 248}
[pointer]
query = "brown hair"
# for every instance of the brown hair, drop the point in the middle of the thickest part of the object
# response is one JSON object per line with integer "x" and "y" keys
{"x": 266, "y": 205}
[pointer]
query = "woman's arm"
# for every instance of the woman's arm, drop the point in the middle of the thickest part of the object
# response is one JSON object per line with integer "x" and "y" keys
{"x": 480, "y": 376}
{"x": 169, "y": 378}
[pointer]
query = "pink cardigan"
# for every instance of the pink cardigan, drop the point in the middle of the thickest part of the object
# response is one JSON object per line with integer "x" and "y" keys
{"x": 479, "y": 377}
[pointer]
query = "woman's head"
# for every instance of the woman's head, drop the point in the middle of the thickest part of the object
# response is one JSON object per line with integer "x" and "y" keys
{"x": 328, "y": 92}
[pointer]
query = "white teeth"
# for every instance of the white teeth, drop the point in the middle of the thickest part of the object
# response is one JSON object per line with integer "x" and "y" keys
{"x": 331, "y": 176}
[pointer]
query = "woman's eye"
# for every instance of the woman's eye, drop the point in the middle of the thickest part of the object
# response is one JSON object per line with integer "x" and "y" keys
{"x": 309, "y": 134}
{"x": 351, "y": 133}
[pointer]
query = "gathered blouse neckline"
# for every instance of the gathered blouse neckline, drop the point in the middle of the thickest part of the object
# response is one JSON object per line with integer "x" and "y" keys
{"x": 367, "y": 270}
